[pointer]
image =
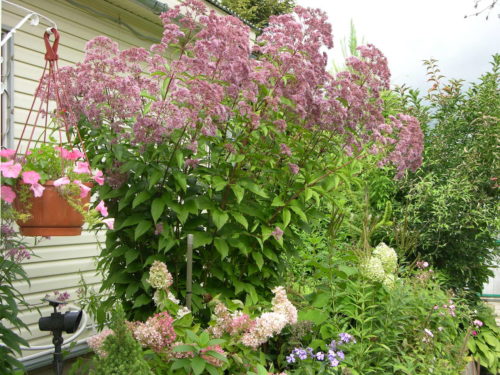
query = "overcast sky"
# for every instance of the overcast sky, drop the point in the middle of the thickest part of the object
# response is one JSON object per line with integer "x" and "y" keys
{"x": 408, "y": 32}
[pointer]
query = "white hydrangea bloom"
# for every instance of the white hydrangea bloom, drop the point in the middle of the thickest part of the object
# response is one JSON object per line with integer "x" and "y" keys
{"x": 373, "y": 269}
{"x": 389, "y": 281}
{"x": 387, "y": 256}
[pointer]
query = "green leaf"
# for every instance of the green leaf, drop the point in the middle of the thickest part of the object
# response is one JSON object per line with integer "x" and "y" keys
{"x": 299, "y": 212}
{"x": 254, "y": 188}
{"x": 240, "y": 219}
{"x": 142, "y": 228}
{"x": 129, "y": 221}
{"x": 179, "y": 158}
{"x": 313, "y": 315}
{"x": 219, "y": 217}
{"x": 201, "y": 239}
{"x": 259, "y": 260}
{"x": 198, "y": 365}
{"x": 277, "y": 202}
{"x": 261, "y": 370}
{"x": 238, "y": 191}
{"x": 154, "y": 178}
{"x": 184, "y": 348}
{"x": 221, "y": 246}
{"x": 142, "y": 300}
{"x": 141, "y": 197}
{"x": 157, "y": 208}
{"x": 218, "y": 183}
{"x": 287, "y": 216}
{"x": 130, "y": 256}
{"x": 180, "y": 179}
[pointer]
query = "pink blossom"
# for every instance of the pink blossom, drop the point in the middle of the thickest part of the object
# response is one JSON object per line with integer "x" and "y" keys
{"x": 96, "y": 342}
{"x": 8, "y": 194}
{"x": 285, "y": 150}
{"x": 61, "y": 181}
{"x": 7, "y": 153}
{"x": 277, "y": 233}
{"x": 74, "y": 154}
{"x": 102, "y": 209}
{"x": 294, "y": 168}
{"x": 82, "y": 167}
{"x": 478, "y": 323}
{"x": 110, "y": 223}
{"x": 474, "y": 333}
{"x": 98, "y": 177}
{"x": 37, "y": 190}
{"x": 84, "y": 189}
{"x": 10, "y": 169}
{"x": 31, "y": 177}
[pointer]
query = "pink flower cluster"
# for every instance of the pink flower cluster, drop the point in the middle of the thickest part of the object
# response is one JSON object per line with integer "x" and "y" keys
{"x": 257, "y": 331}
{"x": 96, "y": 342}
{"x": 156, "y": 333}
{"x": 288, "y": 76}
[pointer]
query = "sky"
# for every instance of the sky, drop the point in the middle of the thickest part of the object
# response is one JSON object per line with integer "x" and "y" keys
{"x": 408, "y": 32}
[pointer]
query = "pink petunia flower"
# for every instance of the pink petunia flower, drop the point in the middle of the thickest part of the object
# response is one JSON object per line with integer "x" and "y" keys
{"x": 8, "y": 194}
{"x": 84, "y": 189}
{"x": 37, "y": 190}
{"x": 10, "y": 169}
{"x": 82, "y": 167}
{"x": 98, "y": 177}
{"x": 62, "y": 181}
{"x": 31, "y": 177}
{"x": 7, "y": 153}
{"x": 110, "y": 223}
{"x": 101, "y": 207}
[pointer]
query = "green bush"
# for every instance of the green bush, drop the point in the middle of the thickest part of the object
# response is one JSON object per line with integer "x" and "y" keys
{"x": 451, "y": 203}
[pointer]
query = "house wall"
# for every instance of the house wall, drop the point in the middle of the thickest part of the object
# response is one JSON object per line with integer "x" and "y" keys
{"x": 60, "y": 262}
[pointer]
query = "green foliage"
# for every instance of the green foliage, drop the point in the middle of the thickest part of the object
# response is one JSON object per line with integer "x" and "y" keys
{"x": 232, "y": 209}
{"x": 124, "y": 354}
{"x": 388, "y": 324}
{"x": 12, "y": 251}
{"x": 259, "y": 11}
{"x": 485, "y": 344}
{"x": 45, "y": 160}
{"x": 10, "y": 301}
{"x": 451, "y": 203}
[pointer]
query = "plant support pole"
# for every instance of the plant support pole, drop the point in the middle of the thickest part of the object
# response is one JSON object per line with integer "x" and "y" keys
{"x": 189, "y": 273}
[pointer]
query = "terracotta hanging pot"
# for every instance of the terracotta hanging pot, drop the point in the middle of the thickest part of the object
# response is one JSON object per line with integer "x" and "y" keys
{"x": 51, "y": 214}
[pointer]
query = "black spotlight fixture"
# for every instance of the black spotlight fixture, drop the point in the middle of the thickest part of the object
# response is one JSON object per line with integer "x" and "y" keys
{"x": 58, "y": 323}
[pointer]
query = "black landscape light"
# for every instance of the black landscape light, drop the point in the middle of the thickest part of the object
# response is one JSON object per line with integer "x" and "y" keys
{"x": 58, "y": 323}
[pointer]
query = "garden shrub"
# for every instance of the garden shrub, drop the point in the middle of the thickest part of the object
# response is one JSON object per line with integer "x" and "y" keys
{"x": 411, "y": 326}
{"x": 232, "y": 143}
{"x": 120, "y": 353}
{"x": 451, "y": 202}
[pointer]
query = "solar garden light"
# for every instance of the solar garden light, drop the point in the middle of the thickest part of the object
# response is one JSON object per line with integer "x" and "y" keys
{"x": 57, "y": 323}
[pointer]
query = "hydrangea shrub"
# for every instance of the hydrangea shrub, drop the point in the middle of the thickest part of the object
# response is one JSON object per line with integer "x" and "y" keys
{"x": 228, "y": 139}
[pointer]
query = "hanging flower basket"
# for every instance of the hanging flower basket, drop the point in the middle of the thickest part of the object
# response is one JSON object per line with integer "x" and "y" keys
{"x": 51, "y": 214}
{"x": 47, "y": 182}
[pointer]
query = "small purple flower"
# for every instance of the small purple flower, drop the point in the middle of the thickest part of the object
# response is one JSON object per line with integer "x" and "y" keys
{"x": 334, "y": 362}
{"x": 333, "y": 345}
{"x": 345, "y": 337}
{"x": 290, "y": 358}
{"x": 320, "y": 356}
{"x": 341, "y": 355}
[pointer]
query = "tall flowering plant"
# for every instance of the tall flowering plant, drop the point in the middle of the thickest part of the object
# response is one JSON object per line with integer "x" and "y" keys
{"x": 229, "y": 140}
